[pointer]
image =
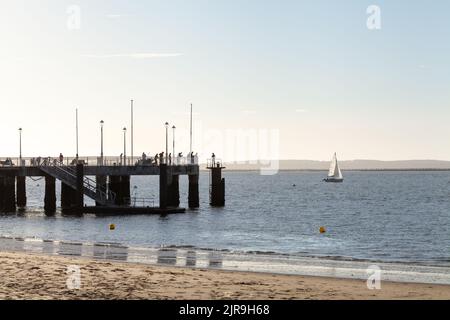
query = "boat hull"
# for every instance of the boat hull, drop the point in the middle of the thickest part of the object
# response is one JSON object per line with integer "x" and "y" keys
{"x": 334, "y": 180}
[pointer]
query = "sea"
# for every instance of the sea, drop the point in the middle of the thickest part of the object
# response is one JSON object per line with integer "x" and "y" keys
{"x": 394, "y": 221}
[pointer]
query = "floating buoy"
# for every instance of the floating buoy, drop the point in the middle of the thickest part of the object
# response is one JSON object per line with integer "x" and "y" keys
{"x": 112, "y": 227}
{"x": 323, "y": 230}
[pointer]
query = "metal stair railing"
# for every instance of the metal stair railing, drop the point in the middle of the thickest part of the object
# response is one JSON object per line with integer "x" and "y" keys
{"x": 68, "y": 175}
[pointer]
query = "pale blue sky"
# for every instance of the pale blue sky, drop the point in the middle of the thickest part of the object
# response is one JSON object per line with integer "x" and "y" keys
{"x": 311, "y": 69}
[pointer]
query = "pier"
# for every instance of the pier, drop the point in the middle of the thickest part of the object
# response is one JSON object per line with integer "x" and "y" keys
{"x": 106, "y": 180}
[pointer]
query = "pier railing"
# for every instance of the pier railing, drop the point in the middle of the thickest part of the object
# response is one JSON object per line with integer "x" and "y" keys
{"x": 95, "y": 161}
{"x": 214, "y": 163}
{"x": 136, "y": 202}
{"x": 68, "y": 175}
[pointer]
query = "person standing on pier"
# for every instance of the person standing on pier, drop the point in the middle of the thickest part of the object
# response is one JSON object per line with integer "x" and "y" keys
{"x": 170, "y": 159}
{"x": 61, "y": 158}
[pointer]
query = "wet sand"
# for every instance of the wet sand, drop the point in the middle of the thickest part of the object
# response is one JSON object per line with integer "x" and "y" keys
{"x": 30, "y": 276}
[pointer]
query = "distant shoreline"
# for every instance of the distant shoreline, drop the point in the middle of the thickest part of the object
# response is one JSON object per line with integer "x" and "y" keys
{"x": 348, "y": 170}
{"x": 345, "y": 165}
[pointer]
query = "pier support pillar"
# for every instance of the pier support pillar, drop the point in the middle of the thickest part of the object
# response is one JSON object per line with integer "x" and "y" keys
{"x": 163, "y": 188}
{"x": 68, "y": 197}
{"x": 7, "y": 194}
{"x": 174, "y": 191}
{"x": 194, "y": 201}
{"x": 50, "y": 195}
{"x": 125, "y": 192}
{"x": 217, "y": 197}
{"x": 80, "y": 188}
{"x": 2, "y": 194}
{"x": 120, "y": 185}
{"x": 101, "y": 186}
{"x": 21, "y": 192}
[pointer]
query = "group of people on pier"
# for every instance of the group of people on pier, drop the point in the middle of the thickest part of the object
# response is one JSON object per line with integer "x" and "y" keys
{"x": 158, "y": 159}
{"x": 39, "y": 161}
{"x": 161, "y": 158}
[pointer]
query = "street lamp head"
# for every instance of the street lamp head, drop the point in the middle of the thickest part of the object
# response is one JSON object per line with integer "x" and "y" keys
{"x": 124, "y": 129}
{"x": 20, "y": 129}
{"x": 174, "y": 127}
{"x": 102, "y": 122}
{"x": 166, "y": 124}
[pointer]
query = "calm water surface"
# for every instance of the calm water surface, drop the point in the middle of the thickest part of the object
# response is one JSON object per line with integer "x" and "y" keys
{"x": 378, "y": 216}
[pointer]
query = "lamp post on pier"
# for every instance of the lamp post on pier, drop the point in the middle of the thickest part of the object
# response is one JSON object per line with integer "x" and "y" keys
{"x": 132, "y": 131}
{"x": 167, "y": 141}
{"x": 125, "y": 146}
{"x": 173, "y": 146}
{"x": 20, "y": 146}
{"x": 76, "y": 131}
{"x": 101, "y": 143}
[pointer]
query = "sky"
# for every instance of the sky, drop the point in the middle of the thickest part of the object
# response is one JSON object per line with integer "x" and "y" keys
{"x": 281, "y": 79}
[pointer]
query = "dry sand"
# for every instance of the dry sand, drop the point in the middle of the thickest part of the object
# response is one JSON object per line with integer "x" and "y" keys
{"x": 28, "y": 276}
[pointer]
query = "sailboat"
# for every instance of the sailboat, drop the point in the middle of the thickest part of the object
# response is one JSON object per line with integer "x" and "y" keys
{"x": 335, "y": 174}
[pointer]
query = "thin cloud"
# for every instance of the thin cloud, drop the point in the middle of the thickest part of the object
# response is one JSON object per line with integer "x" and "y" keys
{"x": 133, "y": 55}
{"x": 301, "y": 110}
{"x": 249, "y": 111}
{"x": 115, "y": 16}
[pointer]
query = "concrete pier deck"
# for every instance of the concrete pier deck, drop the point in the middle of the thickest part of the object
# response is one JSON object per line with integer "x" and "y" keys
{"x": 36, "y": 171}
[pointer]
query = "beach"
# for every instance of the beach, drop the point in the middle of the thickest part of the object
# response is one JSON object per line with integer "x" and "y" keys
{"x": 42, "y": 277}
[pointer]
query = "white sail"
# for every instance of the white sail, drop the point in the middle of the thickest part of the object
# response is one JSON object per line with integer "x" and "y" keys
{"x": 333, "y": 167}
{"x": 338, "y": 173}
{"x": 335, "y": 171}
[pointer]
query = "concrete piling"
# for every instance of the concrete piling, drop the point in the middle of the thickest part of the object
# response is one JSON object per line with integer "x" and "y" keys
{"x": 174, "y": 191}
{"x": 120, "y": 185}
{"x": 125, "y": 191}
{"x": 21, "y": 192}
{"x": 7, "y": 194}
{"x": 2, "y": 194}
{"x": 10, "y": 194}
{"x": 50, "y": 195}
{"x": 80, "y": 188}
{"x": 163, "y": 186}
{"x": 194, "y": 201}
{"x": 68, "y": 197}
{"x": 217, "y": 196}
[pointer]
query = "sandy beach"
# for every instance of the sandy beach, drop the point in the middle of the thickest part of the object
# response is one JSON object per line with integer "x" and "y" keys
{"x": 30, "y": 276}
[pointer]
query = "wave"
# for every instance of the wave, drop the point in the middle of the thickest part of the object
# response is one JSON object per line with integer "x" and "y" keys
{"x": 438, "y": 262}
